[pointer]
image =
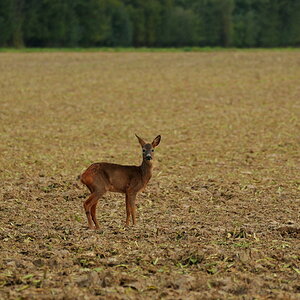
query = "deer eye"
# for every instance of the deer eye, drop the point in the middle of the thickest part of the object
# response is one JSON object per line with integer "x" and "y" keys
{"x": 144, "y": 150}
{"x": 152, "y": 150}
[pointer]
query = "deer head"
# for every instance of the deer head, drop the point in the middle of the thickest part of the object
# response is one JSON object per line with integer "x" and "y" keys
{"x": 148, "y": 149}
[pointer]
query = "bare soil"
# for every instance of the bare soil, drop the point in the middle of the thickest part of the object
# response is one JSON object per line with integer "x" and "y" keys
{"x": 220, "y": 217}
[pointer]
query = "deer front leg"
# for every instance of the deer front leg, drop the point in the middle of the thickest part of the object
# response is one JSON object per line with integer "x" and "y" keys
{"x": 128, "y": 210}
{"x": 131, "y": 200}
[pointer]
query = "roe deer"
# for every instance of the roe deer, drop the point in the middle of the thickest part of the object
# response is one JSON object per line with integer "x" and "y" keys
{"x": 129, "y": 180}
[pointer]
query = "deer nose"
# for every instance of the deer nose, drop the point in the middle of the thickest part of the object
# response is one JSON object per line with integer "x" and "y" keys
{"x": 148, "y": 157}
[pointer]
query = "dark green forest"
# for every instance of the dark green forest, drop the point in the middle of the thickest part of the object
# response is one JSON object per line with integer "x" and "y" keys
{"x": 149, "y": 23}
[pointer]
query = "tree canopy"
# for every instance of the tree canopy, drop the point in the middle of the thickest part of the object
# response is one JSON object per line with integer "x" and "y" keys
{"x": 151, "y": 23}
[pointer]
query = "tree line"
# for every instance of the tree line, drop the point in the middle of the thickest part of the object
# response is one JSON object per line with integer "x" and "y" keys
{"x": 149, "y": 23}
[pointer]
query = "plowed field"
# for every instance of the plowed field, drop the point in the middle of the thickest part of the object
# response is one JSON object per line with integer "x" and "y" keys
{"x": 220, "y": 217}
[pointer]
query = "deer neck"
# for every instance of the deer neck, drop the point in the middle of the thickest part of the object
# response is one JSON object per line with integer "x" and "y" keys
{"x": 146, "y": 168}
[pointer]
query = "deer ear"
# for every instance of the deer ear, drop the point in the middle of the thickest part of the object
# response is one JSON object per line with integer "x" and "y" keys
{"x": 156, "y": 141}
{"x": 141, "y": 141}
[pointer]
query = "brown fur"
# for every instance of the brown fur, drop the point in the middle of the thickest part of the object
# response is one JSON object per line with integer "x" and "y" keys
{"x": 107, "y": 177}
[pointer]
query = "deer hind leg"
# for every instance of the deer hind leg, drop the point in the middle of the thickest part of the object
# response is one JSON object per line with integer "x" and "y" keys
{"x": 87, "y": 208}
{"x": 90, "y": 209}
{"x": 93, "y": 213}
